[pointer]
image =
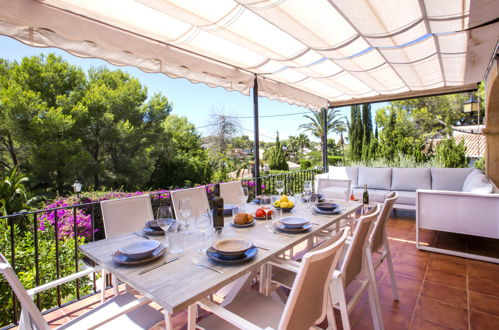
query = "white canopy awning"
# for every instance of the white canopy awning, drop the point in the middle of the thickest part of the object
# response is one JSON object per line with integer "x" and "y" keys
{"x": 303, "y": 52}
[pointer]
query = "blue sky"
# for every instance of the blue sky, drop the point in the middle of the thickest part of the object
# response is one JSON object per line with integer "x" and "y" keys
{"x": 195, "y": 101}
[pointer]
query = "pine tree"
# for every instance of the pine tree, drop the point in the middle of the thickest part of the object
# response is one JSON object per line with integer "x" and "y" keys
{"x": 367, "y": 130}
{"x": 355, "y": 133}
{"x": 450, "y": 154}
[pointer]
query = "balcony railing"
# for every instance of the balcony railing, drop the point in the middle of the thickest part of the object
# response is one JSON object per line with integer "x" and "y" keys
{"x": 42, "y": 245}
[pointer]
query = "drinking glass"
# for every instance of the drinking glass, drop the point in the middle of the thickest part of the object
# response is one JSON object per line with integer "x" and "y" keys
{"x": 276, "y": 215}
{"x": 312, "y": 201}
{"x": 176, "y": 237}
{"x": 164, "y": 219}
{"x": 203, "y": 224}
{"x": 307, "y": 189}
{"x": 265, "y": 204}
{"x": 279, "y": 186}
{"x": 184, "y": 207}
{"x": 243, "y": 197}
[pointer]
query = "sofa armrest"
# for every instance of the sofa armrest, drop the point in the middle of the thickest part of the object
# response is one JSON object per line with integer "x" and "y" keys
{"x": 458, "y": 212}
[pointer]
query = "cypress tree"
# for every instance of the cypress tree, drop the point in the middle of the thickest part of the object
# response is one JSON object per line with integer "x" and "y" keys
{"x": 277, "y": 158}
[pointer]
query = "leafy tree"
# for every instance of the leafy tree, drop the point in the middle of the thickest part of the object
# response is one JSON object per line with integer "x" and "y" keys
{"x": 367, "y": 130}
{"x": 450, "y": 154}
{"x": 277, "y": 156}
{"x": 355, "y": 133}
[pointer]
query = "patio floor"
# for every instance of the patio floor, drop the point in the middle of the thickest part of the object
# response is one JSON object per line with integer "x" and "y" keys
{"x": 436, "y": 291}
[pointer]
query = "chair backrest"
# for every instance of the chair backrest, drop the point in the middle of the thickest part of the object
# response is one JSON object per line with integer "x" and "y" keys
{"x": 198, "y": 197}
{"x": 27, "y": 304}
{"x": 125, "y": 215}
{"x": 309, "y": 298}
{"x": 378, "y": 236}
{"x": 327, "y": 183}
{"x": 353, "y": 262}
{"x": 231, "y": 191}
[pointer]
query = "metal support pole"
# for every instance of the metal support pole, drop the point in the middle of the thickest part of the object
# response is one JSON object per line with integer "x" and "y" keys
{"x": 256, "y": 146}
{"x": 324, "y": 144}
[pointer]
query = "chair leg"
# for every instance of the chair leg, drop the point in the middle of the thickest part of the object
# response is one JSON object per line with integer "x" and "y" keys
{"x": 103, "y": 286}
{"x": 331, "y": 320}
{"x": 373, "y": 294}
{"x": 116, "y": 290}
{"x": 392, "y": 272}
{"x": 342, "y": 302}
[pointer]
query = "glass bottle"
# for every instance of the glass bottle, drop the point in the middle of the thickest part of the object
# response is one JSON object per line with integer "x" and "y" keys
{"x": 365, "y": 196}
{"x": 218, "y": 209}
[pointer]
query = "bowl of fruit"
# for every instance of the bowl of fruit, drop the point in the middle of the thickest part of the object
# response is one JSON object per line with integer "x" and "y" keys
{"x": 284, "y": 204}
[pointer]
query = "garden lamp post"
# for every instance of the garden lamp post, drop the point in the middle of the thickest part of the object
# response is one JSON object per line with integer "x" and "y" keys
{"x": 77, "y": 188}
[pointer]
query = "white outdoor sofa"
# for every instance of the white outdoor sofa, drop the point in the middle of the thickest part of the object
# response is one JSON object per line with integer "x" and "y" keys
{"x": 455, "y": 200}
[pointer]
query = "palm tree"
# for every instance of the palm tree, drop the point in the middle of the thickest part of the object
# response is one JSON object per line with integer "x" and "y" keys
{"x": 334, "y": 121}
{"x": 342, "y": 129}
{"x": 303, "y": 141}
{"x": 13, "y": 194}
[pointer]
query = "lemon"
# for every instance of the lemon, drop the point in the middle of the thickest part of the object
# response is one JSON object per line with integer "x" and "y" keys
{"x": 285, "y": 205}
{"x": 284, "y": 198}
{"x": 277, "y": 204}
{"x": 291, "y": 204}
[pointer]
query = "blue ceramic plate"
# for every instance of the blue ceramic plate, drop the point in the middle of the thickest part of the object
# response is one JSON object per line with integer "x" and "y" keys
{"x": 153, "y": 231}
{"x": 305, "y": 227}
{"x": 327, "y": 206}
{"x": 293, "y": 222}
{"x": 214, "y": 255}
{"x": 121, "y": 258}
{"x": 319, "y": 211}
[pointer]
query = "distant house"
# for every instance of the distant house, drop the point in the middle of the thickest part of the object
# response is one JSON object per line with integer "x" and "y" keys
{"x": 473, "y": 141}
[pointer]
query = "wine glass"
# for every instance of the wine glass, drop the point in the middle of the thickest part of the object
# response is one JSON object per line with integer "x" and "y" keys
{"x": 307, "y": 189}
{"x": 164, "y": 219}
{"x": 184, "y": 207}
{"x": 203, "y": 223}
{"x": 243, "y": 197}
{"x": 265, "y": 205}
{"x": 279, "y": 186}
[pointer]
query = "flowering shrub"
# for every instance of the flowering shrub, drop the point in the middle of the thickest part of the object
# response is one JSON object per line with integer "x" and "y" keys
{"x": 65, "y": 213}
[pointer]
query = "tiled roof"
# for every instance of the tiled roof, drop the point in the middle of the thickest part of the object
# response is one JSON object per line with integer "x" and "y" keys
{"x": 475, "y": 143}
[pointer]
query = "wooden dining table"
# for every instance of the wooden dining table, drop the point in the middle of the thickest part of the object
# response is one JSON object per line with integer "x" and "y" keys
{"x": 178, "y": 285}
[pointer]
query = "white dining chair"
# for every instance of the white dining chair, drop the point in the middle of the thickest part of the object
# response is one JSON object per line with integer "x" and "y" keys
{"x": 122, "y": 216}
{"x": 308, "y": 303}
{"x": 379, "y": 241}
{"x": 125, "y": 215}
{"x": 198, "y": 197}
{"x": 122, "y": 312}
{"x": 231, "y": 192}
{"x": 334, "y": 188}
{"x": 355, "y": 265}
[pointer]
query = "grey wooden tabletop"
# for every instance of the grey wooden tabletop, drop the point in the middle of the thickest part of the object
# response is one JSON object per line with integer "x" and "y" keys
{"x": 179, "y": 284}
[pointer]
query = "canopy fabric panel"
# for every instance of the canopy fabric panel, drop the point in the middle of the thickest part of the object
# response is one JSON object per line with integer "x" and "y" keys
{"x": 304, "y": 52}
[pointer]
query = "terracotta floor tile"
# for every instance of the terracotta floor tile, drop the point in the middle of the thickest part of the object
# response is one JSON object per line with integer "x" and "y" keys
{"x": 422, "y": 324}
{"x": 484, "y": 303}
{"x": 411, "y": 259}
{"x": 412, "y": 271}
{"x": 439, "y": 277}
{"x": 448, "y": 266}
{"x": 406, "y": 303}
{"x": 490, "y": 288}
{"x": 481, "y": 321}
{"x": 56, "y": 318}
{"x": 395, "y": 319}
{"x": 435, "y": 311}
{"x": 447, "y": 257}
{"x": 449, "y": 295}
{"x": 404, "y": 283}
{"x": 488, "y": 272}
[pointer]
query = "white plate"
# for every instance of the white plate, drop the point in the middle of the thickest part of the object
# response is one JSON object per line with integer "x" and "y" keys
{"x": 294, "y": 222}
{"x": 139, "y": 249}
{"x": 243, "y": 226}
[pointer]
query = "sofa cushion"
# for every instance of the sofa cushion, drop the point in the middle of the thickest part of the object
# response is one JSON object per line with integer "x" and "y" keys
{"x": 448, "y": 178}
{"x": 344, "y": 173}
{"x": 406, "y": 197}
{"x": 375, "y": 177}
{"x": 411, "y": 179}
{"x": 477, "y": 182}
